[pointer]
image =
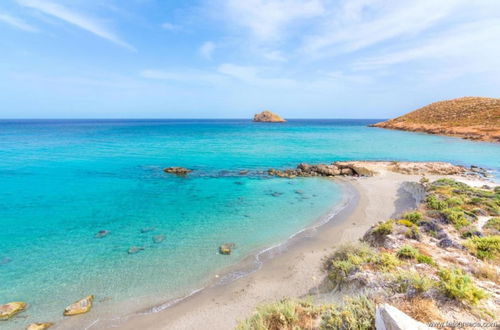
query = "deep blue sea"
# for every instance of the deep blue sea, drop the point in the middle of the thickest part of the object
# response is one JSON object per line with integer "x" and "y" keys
{"x": 61, "y": 181}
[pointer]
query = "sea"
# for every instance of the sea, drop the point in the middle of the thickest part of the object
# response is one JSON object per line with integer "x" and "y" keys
{"x": 63, "y": 181}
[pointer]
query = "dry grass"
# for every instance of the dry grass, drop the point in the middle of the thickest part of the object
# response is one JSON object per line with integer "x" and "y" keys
{"x": 421, "y": 309}
{"x": 485, "y": 271}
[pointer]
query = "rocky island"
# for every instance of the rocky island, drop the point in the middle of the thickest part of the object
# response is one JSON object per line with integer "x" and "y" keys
{"x": 267, "y": 116}
{"x": 475, "y": 118}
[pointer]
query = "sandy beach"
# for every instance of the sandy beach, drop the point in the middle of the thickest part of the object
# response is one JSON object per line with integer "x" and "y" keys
{"x": 293, "y": 272}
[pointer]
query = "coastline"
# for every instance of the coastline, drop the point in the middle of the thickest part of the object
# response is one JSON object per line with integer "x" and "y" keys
{"x": 293, "y": 272}
{"x": 292, "y": 269}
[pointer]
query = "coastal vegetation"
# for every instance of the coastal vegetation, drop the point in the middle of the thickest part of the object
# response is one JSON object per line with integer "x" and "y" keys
{"x": 439, "y": 274}
{"x": 476, "y": 118}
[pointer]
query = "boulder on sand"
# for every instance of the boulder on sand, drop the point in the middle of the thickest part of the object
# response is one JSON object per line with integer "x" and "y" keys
{"x": 177, "y": 170}
{"x": 226, "y": 248}
{"x": 10, "y": 309}
{"x": 80, "y": 307}
{"x": 39, "y": 326}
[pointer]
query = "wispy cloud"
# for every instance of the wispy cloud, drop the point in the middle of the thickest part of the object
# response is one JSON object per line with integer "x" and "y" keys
{"x": 17, "y": 22}
{"x": 75, "y": 18}
{"x": 267, "y": 19}
{"x": 206, "y": 49}
{"x": 169, "y": 26}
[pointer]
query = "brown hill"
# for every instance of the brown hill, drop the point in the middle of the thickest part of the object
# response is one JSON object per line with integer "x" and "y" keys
{"x": 476, "y": 118}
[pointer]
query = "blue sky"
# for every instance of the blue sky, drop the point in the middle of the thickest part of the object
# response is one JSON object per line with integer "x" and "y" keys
{"x": 232, "y": 58}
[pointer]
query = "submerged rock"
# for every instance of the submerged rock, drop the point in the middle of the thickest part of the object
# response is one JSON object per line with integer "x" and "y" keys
{"x": 267, "y": 116}
{"x": 158, "y": 238}
{"x": 39, "y": 326}
{"x": 5, "y": 261}
{"x": 147, "y": 229}
{"x": 10, "y": 309}
{"x": 226, "y": 248}
{"x": 135, "y": 249}
{"x": 80, "y": 307}
{"x": 101, "y": 234}
{"x": 177, "y": 170}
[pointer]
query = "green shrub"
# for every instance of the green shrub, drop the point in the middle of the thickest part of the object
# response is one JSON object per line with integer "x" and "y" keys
{"x": 487, "y": 247}
{"x": 435, "y": 203}
{"x": 407, "y": 252}
{"x": 413, "y": 233}
{"x": 454, "y": 201}
{"x": 355, "y": 314}
{"x": 411, "y": 280}
{"x": 285, "y": 314}
{"x": 456, "y": 217}
{"x": 387, "y": 261}
{"x": 406, "y": 223}
{"x": 346, "y": 260}
{"x": 383, "y": 229}
{"x": 414, "y": 217}
{"x": 423, "y": 259}
{"x": 492, "y": 226}
{"x": 459, "y": 286}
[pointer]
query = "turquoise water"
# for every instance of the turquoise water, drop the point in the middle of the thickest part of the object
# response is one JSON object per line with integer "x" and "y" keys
{"x": 62, "y": 181}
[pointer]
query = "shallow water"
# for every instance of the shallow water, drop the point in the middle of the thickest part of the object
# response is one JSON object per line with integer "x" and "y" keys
{"x": 62, "y": 181}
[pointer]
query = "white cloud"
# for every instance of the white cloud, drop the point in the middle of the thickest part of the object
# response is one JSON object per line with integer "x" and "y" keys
{"x": 17, "y": 22}
{"x": 253, "y": 76}
{"x": 72, "y": 17}
{"x": 469, "y": 45}
{"x": 267, "y": 20}
{"x": 206, "y": 49}
{"x": 365, "y": 23}
{"x": 186, "y": 76}
{"x": 169, "y": 26}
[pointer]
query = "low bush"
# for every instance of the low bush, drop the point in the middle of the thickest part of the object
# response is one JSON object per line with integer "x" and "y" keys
{"x": 387, "y": 261}
{"x": 456, "y": 217}
{"x": 285, "y": 314}
{"x": 346, "y": 260}
{"x": 412, "y": 282}
{"x": 454, "y": 201}
{"x": 355, "y": 314}
{"x": 414, "y": 217}
{"x": 423, "y": 259}
{"x": 406, "y": 223}
{"x": 407, "y": 252}
{"x": 459, "y": 286}
{"x": 383, "y": 229}
{"x": 413, "y": 233}
{"x": 487, "y": 247}
{"x": 435, "y": 203}
{"x": 485, "y": 271}
{"x": 492, "y": 226}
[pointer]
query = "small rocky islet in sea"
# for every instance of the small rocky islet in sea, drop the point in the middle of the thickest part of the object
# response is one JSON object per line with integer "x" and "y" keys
{"x": 177, "y": 170}
{"x": 267, "y": 116}
{"x": 226, "y": 248}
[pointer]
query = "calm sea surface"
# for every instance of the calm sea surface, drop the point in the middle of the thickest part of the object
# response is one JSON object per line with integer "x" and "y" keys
{"x": 63, "y": 181}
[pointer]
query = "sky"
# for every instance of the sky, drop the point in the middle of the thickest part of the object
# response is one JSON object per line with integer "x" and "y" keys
{"x": 233, "y": 58}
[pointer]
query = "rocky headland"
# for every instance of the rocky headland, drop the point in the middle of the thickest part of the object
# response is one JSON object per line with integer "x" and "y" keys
{"x": 267, "y": 116}
{"x": 474, "y": 118}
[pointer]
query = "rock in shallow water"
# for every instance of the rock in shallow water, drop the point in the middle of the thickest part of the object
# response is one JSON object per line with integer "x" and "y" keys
{"x": 80, "y": 307}
{"x": 10, "y": 309}
{"x": 180, "y": 171}
{"x": 147, "y": 230}
{"x": 226, "y": 248}
{"x": 5, "y": 260}
{"x": 158, "y": 238}
{"x": 135, "y": 249}
{"x": 39, "y": 326}
{"x": 101, "y": 234}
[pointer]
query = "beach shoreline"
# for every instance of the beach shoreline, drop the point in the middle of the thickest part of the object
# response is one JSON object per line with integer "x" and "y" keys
{"x": 294, "y": 271}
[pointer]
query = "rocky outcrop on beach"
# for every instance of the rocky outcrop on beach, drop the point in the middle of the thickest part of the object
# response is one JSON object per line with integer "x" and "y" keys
{"x": 369, "y": 168}
{"x": 474, "y": 118}
{"x": 80, "y": 307}
{"x": 10, "y": 309}
{"x": 177, "y": 170}
{"x": 39, "y": 326}
{"x": 267, "y": 116}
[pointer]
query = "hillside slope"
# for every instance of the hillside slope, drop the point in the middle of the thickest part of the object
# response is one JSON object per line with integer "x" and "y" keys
{"x": 476, "y": 118}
